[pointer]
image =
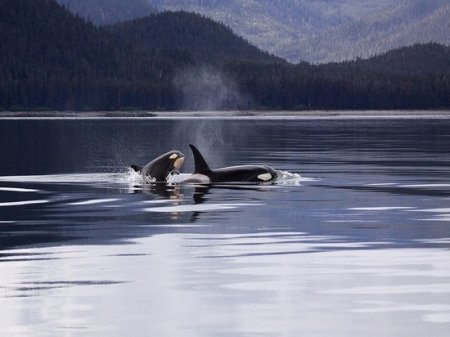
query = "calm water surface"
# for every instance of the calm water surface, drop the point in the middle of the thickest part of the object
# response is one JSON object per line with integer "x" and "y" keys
{"x": 353, "y": 240}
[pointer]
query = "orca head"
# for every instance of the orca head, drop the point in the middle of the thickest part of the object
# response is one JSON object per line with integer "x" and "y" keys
{"x": 176, "y": 159}
{"x": 169, "y": 162}
{"x": 268, "y": 174}
{"x": 265, "y": 177}
{"x": 160, "y": 168}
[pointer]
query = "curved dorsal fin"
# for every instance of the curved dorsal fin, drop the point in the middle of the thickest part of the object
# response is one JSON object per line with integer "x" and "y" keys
{"x": 200, "y": 163}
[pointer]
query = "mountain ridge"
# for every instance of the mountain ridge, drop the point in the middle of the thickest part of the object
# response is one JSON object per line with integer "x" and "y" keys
{"x": 320, "y": 31}
{"x": 183, "y": 32}
{"x": 418, "y": 59}
{"x": 53, "y": 60}
{"x": 327, "y": 30}
{"x": 105, "y": 12}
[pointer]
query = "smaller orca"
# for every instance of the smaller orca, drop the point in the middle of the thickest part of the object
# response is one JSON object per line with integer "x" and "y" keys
{"x": 160, "y": 168}
{"x": 243, "y": 173}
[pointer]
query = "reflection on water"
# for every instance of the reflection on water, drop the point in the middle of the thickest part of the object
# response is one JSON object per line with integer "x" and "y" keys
{"x": 355, "y": 234}
{"x": 272, "y": 284}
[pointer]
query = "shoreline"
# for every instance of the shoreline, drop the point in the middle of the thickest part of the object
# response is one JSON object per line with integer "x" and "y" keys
{"x": 313, "y": 114}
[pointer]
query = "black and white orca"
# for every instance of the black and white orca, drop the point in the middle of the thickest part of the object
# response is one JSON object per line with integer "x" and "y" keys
{"x": 160, "y": 168}
{"x": 233, "y": 174}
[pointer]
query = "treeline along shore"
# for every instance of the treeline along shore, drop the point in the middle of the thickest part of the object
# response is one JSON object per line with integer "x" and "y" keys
{"x": 53, "y": 60}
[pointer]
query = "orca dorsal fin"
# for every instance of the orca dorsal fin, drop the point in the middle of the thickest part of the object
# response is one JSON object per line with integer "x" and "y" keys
{"x": 200, "y": 164}
{"x": 137, "y": 168}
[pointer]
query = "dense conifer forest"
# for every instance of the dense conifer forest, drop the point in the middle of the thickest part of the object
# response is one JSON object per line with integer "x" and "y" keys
{"x": 323, "y": 31}
{"x": 53, "y": 60}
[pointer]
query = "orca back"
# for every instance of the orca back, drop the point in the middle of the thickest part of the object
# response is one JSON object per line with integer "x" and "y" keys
{"x": 241, "y": 173}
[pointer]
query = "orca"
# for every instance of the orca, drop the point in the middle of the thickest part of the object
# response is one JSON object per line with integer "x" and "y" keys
{"x": 232, "y": 174}
{"x": 160, "y": 168}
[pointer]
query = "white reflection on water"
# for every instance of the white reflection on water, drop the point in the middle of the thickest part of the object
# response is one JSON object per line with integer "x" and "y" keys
{"x": 273, "y": 284}
{"x": 15, "y": 189}
{"x": 197, "y": 208}
{"x": 93, "y": 202}
{"x": 22, "y": 203}
{"x": 82, "y": 178}
{"x": 438, "y": 214}
{"x": 364, "y": 254}
{"x": 385, "y": 208}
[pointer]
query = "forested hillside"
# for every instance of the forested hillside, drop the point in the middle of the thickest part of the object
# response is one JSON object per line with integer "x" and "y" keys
{"x": 189, "y": 38}
{"x": 417, "y": 60}
{"x": 105, "y": 12}
{"x": 52, "y": 60}
{"x": 323, "y": 31}
{"x": 416, "y": 77}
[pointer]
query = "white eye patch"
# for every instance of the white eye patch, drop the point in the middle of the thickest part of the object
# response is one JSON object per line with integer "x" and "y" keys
{"x": 265, "y": 176}
{"x": 178, "y": 163}
{"x": 173, "y": 156}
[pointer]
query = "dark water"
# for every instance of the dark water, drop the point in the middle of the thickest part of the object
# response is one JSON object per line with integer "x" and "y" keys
{"x": 355, "y": 234}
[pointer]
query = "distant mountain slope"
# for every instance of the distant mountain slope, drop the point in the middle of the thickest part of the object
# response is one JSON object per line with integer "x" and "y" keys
{"x": 416, "y": 60}
{"x": 52, "y": 60}
{"x": 409, "y": 22}
{"x": 327, "y": 30}
{"x": 192, "y": 36}
{"x": 105, "y": 12}
{"x": 39, "y": 34}
{"x": 420, "y": 59}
